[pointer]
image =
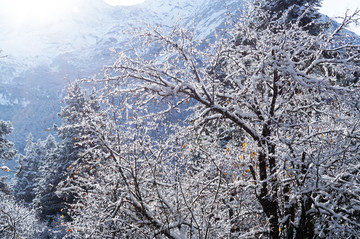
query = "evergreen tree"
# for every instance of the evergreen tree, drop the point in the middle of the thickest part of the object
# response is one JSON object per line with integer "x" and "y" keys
{"x": 7, "y": 149}
{"x": 16, "y": 220}
{"x": 50, "y": 172}
{"x": 72, "y": 127}
{"x": 26, "y": 179}
{"x": 36, "y": 182}
{"x": 46, "y": 162}
{"x": 304, "y": 12}
{"x": 7, "y": 152}
{"x": 60, "y": 156}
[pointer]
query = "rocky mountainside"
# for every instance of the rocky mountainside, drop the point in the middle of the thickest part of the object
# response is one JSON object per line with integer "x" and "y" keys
{"x": 42, "y": 59}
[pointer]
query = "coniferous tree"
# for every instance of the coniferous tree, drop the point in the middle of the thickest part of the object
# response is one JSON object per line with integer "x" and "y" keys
{"x": 7, "y": 152}
{"x": 50, "y": 173}
{"x": 304, "y": 12}
{"x": 26, "y": 179}
{"x": 7, "y": 149}
{"x": 74, "y": 138}
{"x": 38, "y": 175}
{"x": 16, "y": 220}
{"x": 46, "y": 162}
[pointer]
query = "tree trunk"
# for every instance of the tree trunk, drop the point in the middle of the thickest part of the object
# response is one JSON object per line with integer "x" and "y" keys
{"x": 268, "y": 200}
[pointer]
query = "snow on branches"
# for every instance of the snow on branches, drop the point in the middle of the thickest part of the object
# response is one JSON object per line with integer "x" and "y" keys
{"x": 17, "y": 221}
{"x": 271, "y": 148}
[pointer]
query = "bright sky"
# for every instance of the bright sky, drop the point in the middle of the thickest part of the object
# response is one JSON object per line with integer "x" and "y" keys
{"x": 16, "y": 13}
{"x": 42, "y": 12}
{"x": 334, "y": 8}
{"x": 123, "y": 2}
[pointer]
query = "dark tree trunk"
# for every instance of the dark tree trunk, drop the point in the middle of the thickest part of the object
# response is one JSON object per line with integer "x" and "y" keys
{"x": 306, "y": 226}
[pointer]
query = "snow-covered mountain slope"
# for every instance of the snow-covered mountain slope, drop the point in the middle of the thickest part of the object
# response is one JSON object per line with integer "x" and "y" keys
{"x": 41, "y": 59}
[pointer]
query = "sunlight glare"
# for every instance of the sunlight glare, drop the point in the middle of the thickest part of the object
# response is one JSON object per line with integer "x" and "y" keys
{"x": 34, "y": 12}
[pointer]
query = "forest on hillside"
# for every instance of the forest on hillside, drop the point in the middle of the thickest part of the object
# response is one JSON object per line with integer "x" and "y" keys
{"x": 253, "y": 135}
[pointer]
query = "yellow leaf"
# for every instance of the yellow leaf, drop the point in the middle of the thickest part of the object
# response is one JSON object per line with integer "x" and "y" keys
{"x": 279, "y": 229}
{"x": 228, "y": 149}
{"x": 248, "y": 170}
{"x": 235, "y": 165}
{"x": 62, "y": 216}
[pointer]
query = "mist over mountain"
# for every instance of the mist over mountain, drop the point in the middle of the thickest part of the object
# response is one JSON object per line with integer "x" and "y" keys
{"x": 178, "y": 119}
{"x": 41, "y": 59}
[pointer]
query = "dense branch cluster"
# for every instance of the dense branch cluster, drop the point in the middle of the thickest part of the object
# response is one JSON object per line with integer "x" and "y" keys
{"x": 254, "y": 134}
{"x": 290, "y": 167}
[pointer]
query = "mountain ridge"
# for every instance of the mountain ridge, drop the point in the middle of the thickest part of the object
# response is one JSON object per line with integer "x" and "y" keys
{"x": 78, "y": 46}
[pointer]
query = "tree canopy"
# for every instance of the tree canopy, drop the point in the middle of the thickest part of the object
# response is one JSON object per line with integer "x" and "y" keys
{"x": 252, "y": 134}
{"x": 289, "y": 169}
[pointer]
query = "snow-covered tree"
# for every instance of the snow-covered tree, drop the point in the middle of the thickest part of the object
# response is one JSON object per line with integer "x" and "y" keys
{"x": 291, "y": 99}
{"x": 17, "y": 221}
{"x": 7, "y": 150}
{"x": 71, "y": 116}
{"x": 35, "y": 182}
{"x": 50, "y": 173}
{"x": 304, "y": 12}
{"x": 25, "y": 181}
